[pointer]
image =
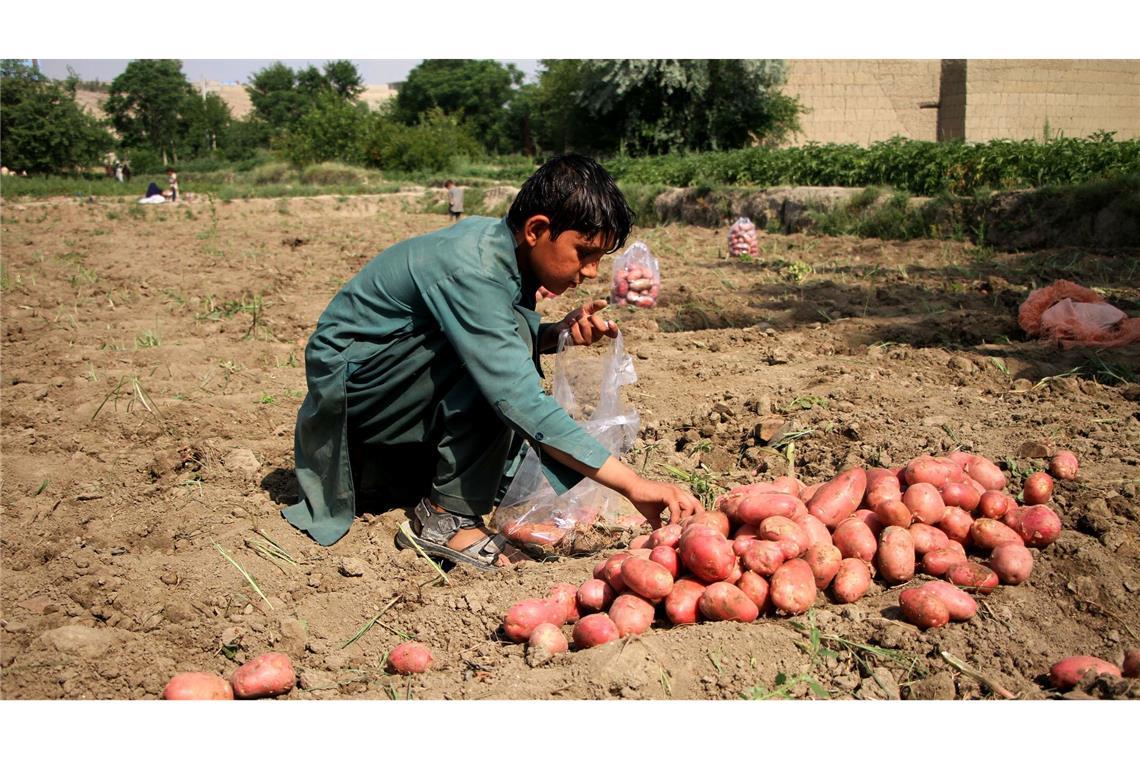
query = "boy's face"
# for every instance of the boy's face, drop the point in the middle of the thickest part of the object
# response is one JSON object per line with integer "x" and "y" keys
{"x": 566, "y": 261}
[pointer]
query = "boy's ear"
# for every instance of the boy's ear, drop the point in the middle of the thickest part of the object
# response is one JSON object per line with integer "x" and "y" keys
{"x": 534, "y": 227}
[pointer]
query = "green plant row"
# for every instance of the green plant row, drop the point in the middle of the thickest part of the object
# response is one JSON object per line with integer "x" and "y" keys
{"x": 918, "y": 167}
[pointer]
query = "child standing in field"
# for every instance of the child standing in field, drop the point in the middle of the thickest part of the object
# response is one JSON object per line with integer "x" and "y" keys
{"x": 172, "y": 176}
{"x": 423, "y": 372}
{"x": 454, "y": 200}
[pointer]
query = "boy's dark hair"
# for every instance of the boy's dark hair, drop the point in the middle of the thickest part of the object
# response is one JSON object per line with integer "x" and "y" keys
{"x": 577, "y": 194}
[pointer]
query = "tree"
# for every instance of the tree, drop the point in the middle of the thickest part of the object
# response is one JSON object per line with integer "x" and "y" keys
{"x": 330, "y": 130}
{"x": 206, "y": 119}
{"x": 273, "y": 95}
{"x": 432, "y": 144}
{"x": 146, "y": 105}
{"x": 477, "y": 92}
{"x": 344, "y": 79}
{"x": 653, "y": 106}
{"x": 43, "y": 129}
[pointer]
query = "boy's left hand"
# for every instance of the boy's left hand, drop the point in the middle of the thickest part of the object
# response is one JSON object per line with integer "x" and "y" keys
{"x": 586, "y": 326}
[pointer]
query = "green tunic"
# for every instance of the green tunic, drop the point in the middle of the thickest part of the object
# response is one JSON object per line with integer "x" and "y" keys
{"x": 386, "y": 355}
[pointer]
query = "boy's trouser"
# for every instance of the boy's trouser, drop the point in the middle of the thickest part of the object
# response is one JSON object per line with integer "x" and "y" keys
{"x": 436, "y": 436}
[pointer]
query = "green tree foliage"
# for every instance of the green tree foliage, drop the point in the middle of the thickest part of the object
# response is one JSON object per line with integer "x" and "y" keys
{"x": 476, "y": 92}
{"x": 206, "y": 119}
{"x": 432, "y": 144}
{"x": 43, "y": 129}
{"x": 147, "y": 106}
{"x": 281, "y": 96}
{"x": 330, "y": 130}
{"x": 656, "y": 106}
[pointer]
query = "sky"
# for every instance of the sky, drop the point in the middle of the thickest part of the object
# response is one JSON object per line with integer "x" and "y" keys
{"x": 239, "y": 70}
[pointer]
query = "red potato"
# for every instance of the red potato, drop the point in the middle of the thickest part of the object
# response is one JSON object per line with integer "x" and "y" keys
{"x": 523, "y": 617}
{"x": 926, "y": 469}
{"x": 600, "y": 568}
{"x": 956, "y": 524}
{"x": 1012, "y": 518}
{"x": 707, "y": 556}
{"x": 737, "y": 571}
{"x": 852, "y": 580}
{"x": 986, "y": 534}
{"x": 197, "y": 686}
{"x": 715, "y": 519}
{"x": 870, "y": 519}
{"x": 611, "y": 573}
{"x": 640, "y": 542}
{"x": 594, "y": 630}
{"x": 987, "y": 473}
{"x": 958, "y": 494}
{"x": 1039, "y": 526}
{"x": 666, "y": 556}
{"x": 808, "y": 492}
{"x": 787, "y": 484}
{"x": 1068, "y": 672}
{"x": 1064, "y": 465}
{"x": 792, "y": 587}
{"x": 631, "y": 614}
{"x": 824, "y": 560}
{"x": 595, "y": 595}
{"x": 646, "y": 578}
{"x": 1012, "y": 562}
{"x": 959, "y": 604}
{"x": 995, "y": 504}
{"x": 978, "y": 487}
{"x": 1037, "y": 489}
{"x": 924, "y": 503}
{"x": 413, "y": 657}
{"x": 666, "y": 535}
{"x": 895, "y": 558}
{"x": 854, "y": 539}
{"x": 939, "y": 561}
{"x": 927, "y": 538}
{"x": 763, "y": 557}
{"x": 879, "y": 475}
{"x": 567, "y": 595}
{"x": 1131, "y": 666}
{"x": 757, "y": 507}
{"x": 724, "y": 601}
{"x": 837, "y": 499}
{"x": 883, "y": 491}
{"x": 923, "y": 608}
{"x": 267, "y": 675}
{"x": 681, "y": 604}
{"x": 973, "y": 576}
{"x": 894, "y": 512}
{"x": 546, "y": 641}
{"x": 755, "y": 588}
{"x": 961, "y": 458}
{"x": 817, "y": 532}
{"x": 740, "y": 545}
{"x": 791, "y": 537}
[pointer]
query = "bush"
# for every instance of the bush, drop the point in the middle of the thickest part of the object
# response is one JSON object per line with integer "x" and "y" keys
{"x": 275, "y": 173}
{"x": 437, "y": 143}
{"x": 331, "y": 173}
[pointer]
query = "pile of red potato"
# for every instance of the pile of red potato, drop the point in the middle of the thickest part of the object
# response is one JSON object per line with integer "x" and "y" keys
{"x": 772, "y": 547}
{"x": 742, "y": 239}
{"x": 267, "y": 675}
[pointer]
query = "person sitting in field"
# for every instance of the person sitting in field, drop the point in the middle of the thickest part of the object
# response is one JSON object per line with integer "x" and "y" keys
{"x": 154, "y": 194}
{"x": 423, "y": 372}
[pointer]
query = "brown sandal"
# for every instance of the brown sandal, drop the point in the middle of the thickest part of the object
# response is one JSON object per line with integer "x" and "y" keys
{"x": 430, "y": 531}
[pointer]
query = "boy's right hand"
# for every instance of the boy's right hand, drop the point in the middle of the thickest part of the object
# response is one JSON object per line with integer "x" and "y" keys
{"x": 651, "y": 498}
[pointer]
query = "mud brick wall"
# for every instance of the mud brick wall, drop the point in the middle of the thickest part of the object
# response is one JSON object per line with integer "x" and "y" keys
{"x": 1009, "y": 99}
{"x": 863, "y": 101}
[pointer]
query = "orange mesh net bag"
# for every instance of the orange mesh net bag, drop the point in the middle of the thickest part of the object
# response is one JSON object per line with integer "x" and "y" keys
{"x": 1073, "y": 315}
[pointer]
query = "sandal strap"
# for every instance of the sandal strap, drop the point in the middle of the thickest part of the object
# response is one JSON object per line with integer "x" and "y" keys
{"x": 439, "y": 527}
{"x": 487, "y": 549}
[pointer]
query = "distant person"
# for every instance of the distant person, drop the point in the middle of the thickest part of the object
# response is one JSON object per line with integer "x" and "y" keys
{"x": 454, "y": 200}
{"x": 119, "y": 171}
{"x": 173, "y": 177}
{"x": 126, "y": 171}
{"x": 154, "y": 194}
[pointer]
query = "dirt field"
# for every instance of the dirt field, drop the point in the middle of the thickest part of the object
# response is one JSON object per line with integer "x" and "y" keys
{"x": 153, "y": 366}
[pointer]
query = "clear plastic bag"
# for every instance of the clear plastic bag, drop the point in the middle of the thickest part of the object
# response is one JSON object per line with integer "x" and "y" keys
{"x": 589, "y": 517}
{"x": 742, "y": 239}
{"x": 637, "y": 277}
